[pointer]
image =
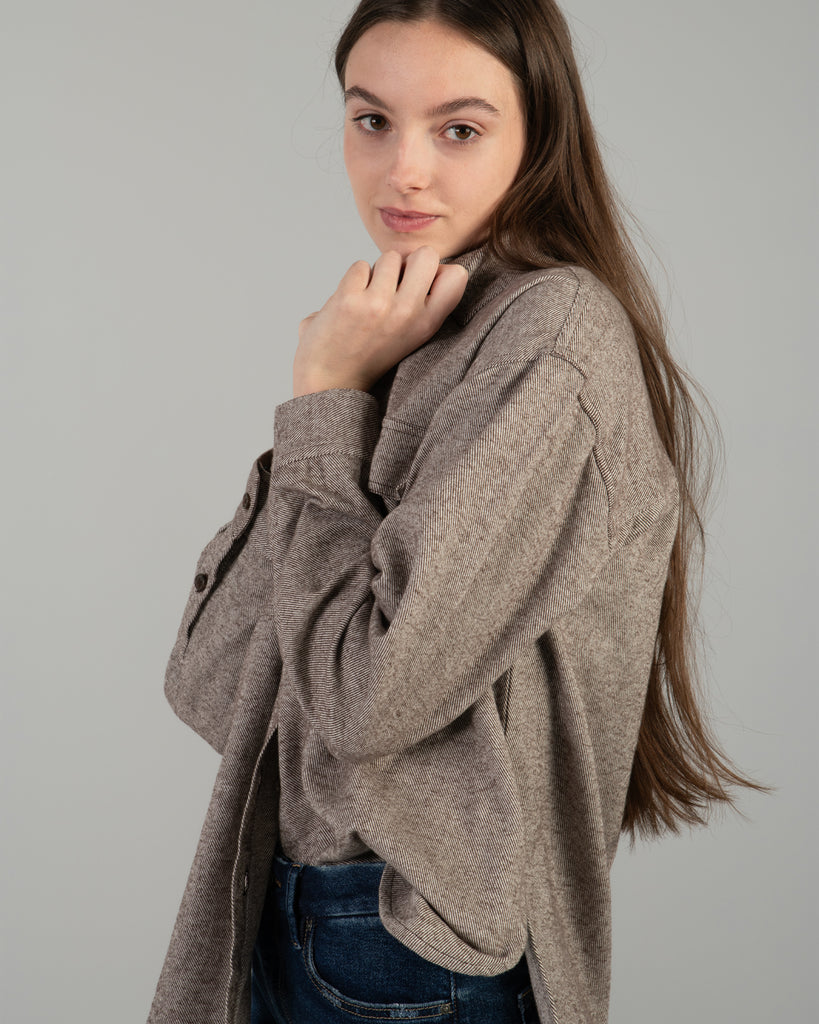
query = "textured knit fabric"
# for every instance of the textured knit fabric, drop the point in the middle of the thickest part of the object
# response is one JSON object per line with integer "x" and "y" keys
{"x": 426, "y": 637}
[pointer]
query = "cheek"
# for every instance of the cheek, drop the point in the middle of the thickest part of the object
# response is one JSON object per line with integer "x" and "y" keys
{"x": 487, "y": 189}
{"x": 349, "y": 160}
{"x": 517, "y": 152}
{"x": 352, "y": 158}
{"x": 506, "y": 171}
{"x": 361, "y": 166}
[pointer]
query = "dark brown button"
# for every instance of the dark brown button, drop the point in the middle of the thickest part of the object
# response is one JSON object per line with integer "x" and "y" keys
{"x": 200, "y": 581}
{"x": 246, "y": 500}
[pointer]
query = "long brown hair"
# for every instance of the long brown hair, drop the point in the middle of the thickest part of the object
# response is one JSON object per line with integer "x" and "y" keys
{"x": 562, "y": 209}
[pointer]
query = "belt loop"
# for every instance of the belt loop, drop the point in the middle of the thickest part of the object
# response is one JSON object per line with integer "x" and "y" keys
{"x": 290, "y": 902}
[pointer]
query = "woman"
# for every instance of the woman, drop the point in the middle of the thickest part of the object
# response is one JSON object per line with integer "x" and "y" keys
{"x": 443, "y": 646}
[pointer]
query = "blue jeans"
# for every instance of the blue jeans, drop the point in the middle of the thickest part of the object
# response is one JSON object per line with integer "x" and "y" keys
{"x": 322, "y": 956}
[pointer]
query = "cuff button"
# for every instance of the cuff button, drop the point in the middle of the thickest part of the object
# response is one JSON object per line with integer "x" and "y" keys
{"x": 200, "y": 581}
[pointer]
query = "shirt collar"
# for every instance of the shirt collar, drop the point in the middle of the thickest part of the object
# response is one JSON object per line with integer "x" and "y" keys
{"x": 488, "y": 278}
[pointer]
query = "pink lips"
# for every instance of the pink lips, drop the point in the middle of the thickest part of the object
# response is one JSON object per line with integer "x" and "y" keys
{"x": 406, "y": 220}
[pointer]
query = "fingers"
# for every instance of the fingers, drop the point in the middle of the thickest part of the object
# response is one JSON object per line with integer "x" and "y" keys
{"x": 446, "y": 292}
{"x": 386, "y": 274}
{"x": 357, "y": 277}
{"x": 431, "y": 289}
{"x": 375, "y": 318}
{"x": 419, "y": 290}
{"x": 419, "y": 273}
{"x": 390, "y": 273}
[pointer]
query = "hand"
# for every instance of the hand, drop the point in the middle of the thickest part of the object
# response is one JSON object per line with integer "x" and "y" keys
{"x": 375, "y": 318}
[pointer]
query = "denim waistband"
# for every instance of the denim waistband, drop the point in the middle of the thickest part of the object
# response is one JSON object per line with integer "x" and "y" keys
{"x": 328, "y": 890}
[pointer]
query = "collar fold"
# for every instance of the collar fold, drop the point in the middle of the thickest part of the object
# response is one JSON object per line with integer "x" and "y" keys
{"x": 488, "y": 277}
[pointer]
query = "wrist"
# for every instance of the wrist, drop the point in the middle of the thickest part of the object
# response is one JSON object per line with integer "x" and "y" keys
{"x": 309, "y": 386}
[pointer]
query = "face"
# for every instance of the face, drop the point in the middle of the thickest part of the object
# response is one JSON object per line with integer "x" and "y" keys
{"x": 433, "y": 138}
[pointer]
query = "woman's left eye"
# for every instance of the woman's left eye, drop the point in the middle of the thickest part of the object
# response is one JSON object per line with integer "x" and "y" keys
{"x": 462, "y": 132}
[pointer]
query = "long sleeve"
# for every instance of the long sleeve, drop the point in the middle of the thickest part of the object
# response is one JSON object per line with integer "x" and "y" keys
{"x": 230, "y": 590}
{"x": 432, "y": 643}
{"x": 392, "y": 625}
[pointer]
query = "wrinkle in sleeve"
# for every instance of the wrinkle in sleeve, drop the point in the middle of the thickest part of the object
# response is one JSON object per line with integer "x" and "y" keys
{"x": 391, "y": 626}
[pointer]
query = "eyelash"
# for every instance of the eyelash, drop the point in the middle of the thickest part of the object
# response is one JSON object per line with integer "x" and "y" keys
{"x": 358, "y": 121}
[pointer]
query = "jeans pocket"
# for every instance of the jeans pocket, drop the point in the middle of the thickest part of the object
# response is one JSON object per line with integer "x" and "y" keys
{"x": 360, "y": 968}
{"x": 528, "y": 1007}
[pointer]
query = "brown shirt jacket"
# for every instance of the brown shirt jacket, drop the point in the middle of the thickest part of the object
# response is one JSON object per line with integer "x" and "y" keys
{"x": 437, "y": 603}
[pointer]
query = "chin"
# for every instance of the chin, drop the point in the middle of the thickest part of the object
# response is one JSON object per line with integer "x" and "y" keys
{"x": 405, "y": 245}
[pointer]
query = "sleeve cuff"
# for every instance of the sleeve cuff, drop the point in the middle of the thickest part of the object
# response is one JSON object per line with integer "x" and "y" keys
{"x": 339, "y": 420}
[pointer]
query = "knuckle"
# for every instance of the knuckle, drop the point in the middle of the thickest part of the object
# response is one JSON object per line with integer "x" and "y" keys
{"x": 357, "y": 276}
{"x": 348, "y": 303}
{"x": 404, "y": 310}
{"x": 378, "y": 307}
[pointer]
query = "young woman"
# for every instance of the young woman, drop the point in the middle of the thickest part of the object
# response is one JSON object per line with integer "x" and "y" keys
{"x": 444, "y": 645}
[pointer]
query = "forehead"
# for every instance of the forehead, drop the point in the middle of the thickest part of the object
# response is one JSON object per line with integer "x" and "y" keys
{"x": 422, "y": 63}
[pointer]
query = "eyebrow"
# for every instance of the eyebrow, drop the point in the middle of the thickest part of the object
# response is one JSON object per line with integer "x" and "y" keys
{"x": 356, "y": 92}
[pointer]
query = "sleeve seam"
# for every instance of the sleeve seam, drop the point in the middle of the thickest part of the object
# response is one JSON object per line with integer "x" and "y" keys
{"x": 594, "y": 420}
{"x": 609, "y": 525}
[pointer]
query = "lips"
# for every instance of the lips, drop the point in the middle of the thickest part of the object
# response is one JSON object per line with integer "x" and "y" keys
{"x": 406, "y": 220}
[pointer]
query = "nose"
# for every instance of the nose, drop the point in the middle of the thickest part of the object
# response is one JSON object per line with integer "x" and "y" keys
{"x": 410, "y": 168}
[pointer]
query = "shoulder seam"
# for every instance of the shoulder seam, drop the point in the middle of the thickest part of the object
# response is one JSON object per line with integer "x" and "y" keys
{"x": 538, "y": 277}
{"x": 570, "y": 315}
{"x": 522, "y": 361}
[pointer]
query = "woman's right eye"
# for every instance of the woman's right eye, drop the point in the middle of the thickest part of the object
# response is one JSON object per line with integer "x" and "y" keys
{"x": 371, "y": 123}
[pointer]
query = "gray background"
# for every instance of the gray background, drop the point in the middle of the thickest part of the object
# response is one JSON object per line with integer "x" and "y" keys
{"x": 172, "y": 203}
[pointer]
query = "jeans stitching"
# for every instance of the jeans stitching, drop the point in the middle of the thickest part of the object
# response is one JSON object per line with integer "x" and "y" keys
{"x": 526, "y": 999}
{"x": 330, "y": 995}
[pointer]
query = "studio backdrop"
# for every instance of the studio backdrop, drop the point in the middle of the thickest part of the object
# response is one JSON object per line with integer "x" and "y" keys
{"x": 172, "y": 203}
